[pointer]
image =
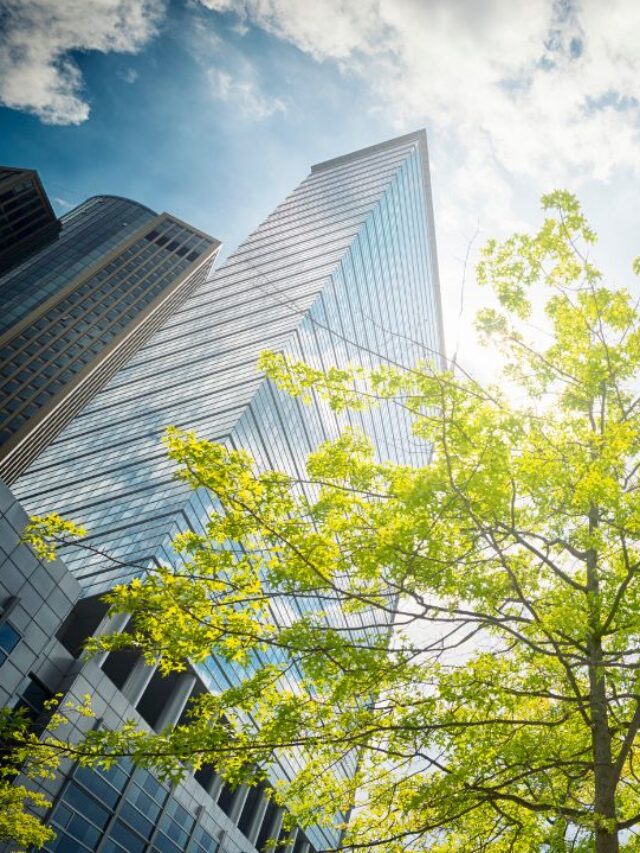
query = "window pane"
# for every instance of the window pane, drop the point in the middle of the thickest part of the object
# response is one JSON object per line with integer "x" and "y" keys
{"x": 9, "y": 637}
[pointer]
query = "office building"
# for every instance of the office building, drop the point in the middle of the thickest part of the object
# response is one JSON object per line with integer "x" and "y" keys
{"x": 27, "y": 220}
{"x": 75, "y": 310}
{"x": 344, "y": 270}
{"x": 123, "y": 810}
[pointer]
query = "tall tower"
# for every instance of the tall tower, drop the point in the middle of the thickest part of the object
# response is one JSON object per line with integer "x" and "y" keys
{"x": 77, "y": 307}
{"x": 344, "y": 270}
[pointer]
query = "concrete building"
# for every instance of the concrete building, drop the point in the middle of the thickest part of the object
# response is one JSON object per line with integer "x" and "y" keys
{"x": 344, "y": 270}
{"x": 42, "y": 622}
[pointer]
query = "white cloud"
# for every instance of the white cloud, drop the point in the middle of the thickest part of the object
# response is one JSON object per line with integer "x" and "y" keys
{"x": 37, "y": 73}
{"x": 329, "y": 29}
{"x": 129, "y": 75}
{"x": 232, "y": 76}
{"x": 518, "y": 97}
{"x": 243, "y": 94}
{"x": 542, "y": 86}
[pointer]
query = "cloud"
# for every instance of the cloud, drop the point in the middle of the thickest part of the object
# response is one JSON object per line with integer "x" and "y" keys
{"x": 67, "y": 205}
{"x": 232, "y": 77}
{"x": 543, "y": 87}
{"x": 243, "y": 94}
{"x": 37, "y": 72}
{"x": 518, "y": 97}
{"x": 129, "y": 75}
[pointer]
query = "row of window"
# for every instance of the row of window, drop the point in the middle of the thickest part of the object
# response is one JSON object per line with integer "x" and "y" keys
{"x": 125, "y": 810}
{"x": 172, "y": 245}
{"x": 98, "y": 291}
{"x": 87, "y": 234}
{"x": 16, "y": 189}
{"x": 77, "y": 401}
{"x": 13, "y": 222}
{"x": 34, "y": 223}
{"x": 46, "y": 363}
{"x": 128, "y": 809}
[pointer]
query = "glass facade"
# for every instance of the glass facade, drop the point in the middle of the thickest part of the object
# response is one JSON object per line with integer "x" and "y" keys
{"x": 87, "y": 234}
{"x": 123, "y": 810}
{"x": 114, "y": 260}
{"x": 38, "y": 361}
{"x": 9, "y": 639}
{"x": 344, "y": 270}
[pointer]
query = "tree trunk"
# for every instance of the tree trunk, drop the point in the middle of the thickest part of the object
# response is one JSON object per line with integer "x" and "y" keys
{"x": 605, "y": 805}
{"x": 607, "y": 842}
{"x": 604, "y": 782}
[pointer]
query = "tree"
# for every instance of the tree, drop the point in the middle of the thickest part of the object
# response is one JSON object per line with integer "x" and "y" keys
{"x": 484, "y": 682}
{"x": 24, "y": 754}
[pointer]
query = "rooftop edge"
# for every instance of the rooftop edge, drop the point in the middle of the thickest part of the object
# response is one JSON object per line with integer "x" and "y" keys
{"x": 419, "y": 136}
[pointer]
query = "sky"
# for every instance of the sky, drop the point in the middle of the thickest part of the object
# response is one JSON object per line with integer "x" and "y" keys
{"x": 214, "y": 110}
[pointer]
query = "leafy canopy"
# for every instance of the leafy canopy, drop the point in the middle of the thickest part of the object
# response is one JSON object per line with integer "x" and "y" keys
{"x": 469, "y": 636}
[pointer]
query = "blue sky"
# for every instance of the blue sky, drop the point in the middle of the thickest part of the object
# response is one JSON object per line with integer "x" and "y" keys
{"x": 158, "y": 130}
{"x": 214, "y": 109}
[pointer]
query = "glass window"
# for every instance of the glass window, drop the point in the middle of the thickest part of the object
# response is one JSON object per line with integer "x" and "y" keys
{"x": 173, "y": 830}
{"x": 63, "y": 843}
{"x": 110, "y": 846}
{"x": 142, "y": 801}
{"x": 9, "y": 639}
{"x": 84, "y": 830}
{"x": 86, "y": 805}
{"x": 201, "y": 837}
{"x": 151, "y": 785}
{"x": 131, "y": 842}
{"x": 163, "y": 845}
{"x": 136, "y": 819}
{"x": 97, "y": 785}
{"x": 34, "y": 697}
{"x": 117, "y": 775}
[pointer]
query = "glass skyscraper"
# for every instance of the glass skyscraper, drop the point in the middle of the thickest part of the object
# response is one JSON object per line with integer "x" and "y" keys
{"x": 77, "y": 307}
{"x": 343, "y": 271}
{"x": 85, "y": 235}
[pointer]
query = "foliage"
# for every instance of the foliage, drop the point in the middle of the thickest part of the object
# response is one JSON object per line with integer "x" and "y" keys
{"x": 502, "y": 711}
{"x": 43, "y": 531}
{"x": 17, "y": 822}
{"x": 32, "y": 757}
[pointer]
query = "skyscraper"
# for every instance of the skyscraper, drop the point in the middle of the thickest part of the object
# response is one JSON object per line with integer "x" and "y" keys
{"x": 344, "y": 270}
{"x": 78, "y": 306}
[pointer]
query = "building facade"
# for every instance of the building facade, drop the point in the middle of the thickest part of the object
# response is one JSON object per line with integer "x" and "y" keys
{"x": 343, "y": 271}
{"x": 77, "y": 308}
{"x": 124, "y": 809}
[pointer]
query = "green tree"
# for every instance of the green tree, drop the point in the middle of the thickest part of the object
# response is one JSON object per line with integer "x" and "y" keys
{"x": 487, "y": 676}
{"x": 25, "y": 760}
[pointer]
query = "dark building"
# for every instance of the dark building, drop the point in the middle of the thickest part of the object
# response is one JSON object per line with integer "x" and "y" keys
{"x": 27, "y": 219}
{"x": 76, "y": 309}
